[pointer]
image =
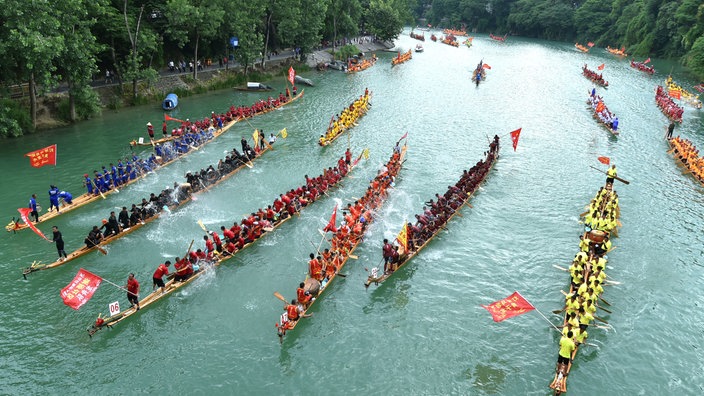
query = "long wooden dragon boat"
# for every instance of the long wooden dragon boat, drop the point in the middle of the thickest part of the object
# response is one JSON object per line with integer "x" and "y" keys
{"x": 152, "y": 142}
{"x": 86, "y": 250}
{"x": 173, "y": 285}
{"x": 594, "y": 77}
{"x": 593, "y": 249}
{"x": 86, "y": 198}
{"x": 595, "y": 114}
{"x": 685, "y": 155}
{"x": 406, "y": 256}
{"x": 401, "y": 58}
{"x": 346, "y": 252}
{"x": 335, "y": 129}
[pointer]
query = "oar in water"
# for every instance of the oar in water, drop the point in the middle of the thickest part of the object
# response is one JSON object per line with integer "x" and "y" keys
{"x": 558, "y": 311}
{"x": 560, "y": 268}
{"x": 604, "y": 309}
{"x": 200, "y": 223}
{"x": 604, "y": 301}
{"x": 600, "y": 319}
{"x": 624, "y": 181}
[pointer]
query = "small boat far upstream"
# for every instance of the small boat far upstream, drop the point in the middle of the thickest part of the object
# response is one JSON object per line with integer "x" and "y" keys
{"x": 255, "y": 87}
{"x": 170, "y": 102}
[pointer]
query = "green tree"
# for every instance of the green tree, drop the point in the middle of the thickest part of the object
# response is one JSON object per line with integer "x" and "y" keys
{"x": 383, "y": 20}
{"x": 695, "y": 57}
{"x": 342, "y": 20}
{"x": 33, "y": 39}
{"x": 243, "y": 22}
{"x": 191, "y": 21}
{"x": 77, "y": 63}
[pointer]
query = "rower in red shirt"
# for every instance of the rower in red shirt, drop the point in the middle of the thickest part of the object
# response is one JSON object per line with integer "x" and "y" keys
{"x": 348, "y": 156}
{"x": 161, "y": 270}
{"x": 209, "y": 247}
{"x": 216, "y": 240}
{"x": 228, "y": 234}
{"x": 303, "y": 296}
{"x": 315, "y": 268}
{"x": 278, "y": 205}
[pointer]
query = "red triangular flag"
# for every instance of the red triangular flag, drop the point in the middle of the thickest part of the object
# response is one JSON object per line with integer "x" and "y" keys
{"x": 169, "y": 118}
{"x": 675, "y": 94}
{"x": 331, "y": 223}
{"x": 647, "y": 60}
{"x": 514, "y": 137}
{"x": 486, "y": 66}
{"x": 24, "y": 214}
{"x": 81, "y": 289}
{"x": 601, "y": 67}
{"x": 41, "y": 157}
{"x": 404, "y": 136}
{"x": 509, "y": 307}
{"x": 590, "y": 44}
{"x": 291, "y": 75}
{"x": 604, "y": 160}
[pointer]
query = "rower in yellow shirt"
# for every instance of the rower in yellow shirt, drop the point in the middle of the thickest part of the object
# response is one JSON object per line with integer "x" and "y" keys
{"x": 567, "y": 346}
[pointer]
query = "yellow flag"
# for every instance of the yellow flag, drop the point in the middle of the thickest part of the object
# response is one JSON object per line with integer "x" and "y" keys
{"x": 402, "y": 237}
{"x": 365, "y": 153}
{"x": 255, "y": 136}
{"x": 284, "y": 133}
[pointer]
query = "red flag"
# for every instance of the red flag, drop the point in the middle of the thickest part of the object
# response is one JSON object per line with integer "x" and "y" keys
{"x": 599, "y": 107}
{"x": 514, "y": 137}
{"x": 169, "y": 118}
{"x": 331, "y": 223}
{"x": 405, "y": 135}
{"x": 45, "y": 156}
{"x": 486, "y": 66}
{"x": 647, "y": 60}
{"x": 675, "y": 94}
{"x": 604, "y": 160}
{"x": 24, "y": 214}
{"x": 509, "y": 307}
{"x": 601, "y": 67}
{"x": 291, "y": 75}
{"x": 590, "y": 44}
{"x": 81, "y": 289}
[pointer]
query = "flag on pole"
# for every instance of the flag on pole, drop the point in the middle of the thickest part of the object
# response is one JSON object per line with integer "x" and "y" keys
{"x": 601, "y": 66}
{"x": 604, "y": 160}
{"x": 486, "y": 66}
{"x": 41, "y": 157}
{"x": 402, "y": 237}
{"x": 675, "y": 94}
{"x": 405, "y": 135}
{"x": 509, "y": 307}
{"x": 600, "y": 107}
{"x": 291, "y": 75}
{"x": 514, "y": 137}
{"x": 365, "y": 153}
{"x": 255, "y": 136}
{"x": 169, "y": 118}
{"x": 590, "y": 44}
{"x": 284, "y": 133}
{"x": 24, "y": 214}
{"x": 333, "y": 220}
{"x": 647, "y": 60}
{"x": 81, "y": 289}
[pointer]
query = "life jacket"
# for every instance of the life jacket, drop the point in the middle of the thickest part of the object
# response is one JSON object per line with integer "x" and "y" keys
{"x": 292, "y": 312}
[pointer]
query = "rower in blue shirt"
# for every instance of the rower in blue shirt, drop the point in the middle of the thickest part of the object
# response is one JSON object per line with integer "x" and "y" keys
{"x": 53, "y": 198}
{"x": 88, "y": 184}
{"x": 33, "y": 206}
{"x": 66, "y": 196}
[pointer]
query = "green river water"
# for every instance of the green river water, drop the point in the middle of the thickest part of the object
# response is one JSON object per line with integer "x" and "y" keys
{"x": 423, "y": 332}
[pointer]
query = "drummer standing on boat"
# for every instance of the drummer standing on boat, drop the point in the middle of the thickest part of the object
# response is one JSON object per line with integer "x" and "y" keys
{"x": 33, "y": 206}
{"x": 133, "y": 291}
{"x": 611, "y": 174}
{"x": 59, "y": 241}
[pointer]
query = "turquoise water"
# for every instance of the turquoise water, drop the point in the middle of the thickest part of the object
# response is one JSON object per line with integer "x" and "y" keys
{"x": 423, "y": 332}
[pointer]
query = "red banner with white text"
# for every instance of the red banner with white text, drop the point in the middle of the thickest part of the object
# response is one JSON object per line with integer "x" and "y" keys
{"x": 24, "y": 214}
{"x": 81, "y": 289}
{"x": 509, "y": 307}
{"x": 41, "y": 157}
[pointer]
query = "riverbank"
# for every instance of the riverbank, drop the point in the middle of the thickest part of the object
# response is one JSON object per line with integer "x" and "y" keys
{"x": 50, "y": 111}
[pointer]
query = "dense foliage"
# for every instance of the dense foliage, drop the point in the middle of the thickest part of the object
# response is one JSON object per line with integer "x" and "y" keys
{"x": 45, "y": 43}
{"x": 658, "y": 28}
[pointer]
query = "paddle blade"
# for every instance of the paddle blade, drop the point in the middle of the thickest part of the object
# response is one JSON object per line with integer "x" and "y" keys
{"x": 200, "y": 223}
{"x": 103, "y": 251}
{"x": 280, "y": 297}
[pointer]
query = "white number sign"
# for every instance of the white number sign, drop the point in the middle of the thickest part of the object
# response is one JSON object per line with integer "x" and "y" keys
{"x": 114, "y": 308}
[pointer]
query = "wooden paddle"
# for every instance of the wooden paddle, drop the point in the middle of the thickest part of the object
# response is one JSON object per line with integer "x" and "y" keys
{"x": 103, "y": 251}
{"x": 200, "y": 223}
{"x": 615, "y": 177}
{"x": 603, "y": 309}
{"x": 604, "y": 301}
{"x": 280, "y": 297}
{"x": 558, "y": 311}
{"x": 600, "y": 319}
